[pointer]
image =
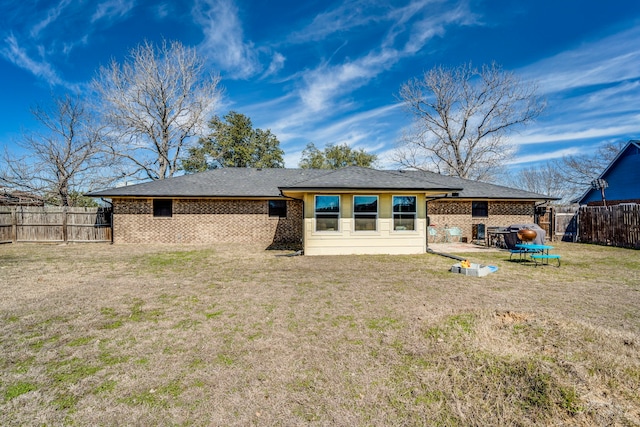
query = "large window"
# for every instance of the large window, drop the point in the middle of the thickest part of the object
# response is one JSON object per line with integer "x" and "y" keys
{"x": 404, "y": 213}
{"x": 278, "y": 208}
{"x": 365, "y": 213}
{"x": 327, "y": 213}
{"x": 162, "y": 208}
{"x": 479, "y": 209}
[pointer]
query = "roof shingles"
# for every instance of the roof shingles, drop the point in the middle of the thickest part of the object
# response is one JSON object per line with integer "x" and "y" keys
{"x": 255, "y": 182}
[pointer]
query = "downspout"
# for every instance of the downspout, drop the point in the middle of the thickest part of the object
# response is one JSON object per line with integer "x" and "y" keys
{"x": 303, "y": 211}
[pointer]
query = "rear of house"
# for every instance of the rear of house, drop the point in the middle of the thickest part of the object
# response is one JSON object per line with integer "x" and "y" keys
{"x": 346, "y": 211}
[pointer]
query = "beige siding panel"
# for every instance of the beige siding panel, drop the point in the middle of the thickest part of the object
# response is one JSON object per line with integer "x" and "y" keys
{"x": 349, "y": 242}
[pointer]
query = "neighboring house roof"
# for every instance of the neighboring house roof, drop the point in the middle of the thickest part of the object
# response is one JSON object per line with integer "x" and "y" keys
{"x": 622, "y": 176}
{"x": 256, "y": 182}
{"x": 19, "y": 198}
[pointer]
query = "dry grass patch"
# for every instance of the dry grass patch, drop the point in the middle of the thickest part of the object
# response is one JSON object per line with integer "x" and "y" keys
{"x": 188, "y": 335}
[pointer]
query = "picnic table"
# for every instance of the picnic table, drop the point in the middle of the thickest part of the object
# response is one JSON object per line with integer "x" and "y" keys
{"x": 539, "y": 254}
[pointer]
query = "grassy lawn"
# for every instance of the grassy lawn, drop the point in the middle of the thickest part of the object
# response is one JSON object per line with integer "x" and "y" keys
{"x": 191, "y": 335}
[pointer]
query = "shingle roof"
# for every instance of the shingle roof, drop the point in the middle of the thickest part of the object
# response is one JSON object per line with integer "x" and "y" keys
{"x": 252, "y": 182}
{"x": 225, "y": 182}
{"x": 358, "y": 178}
{"x": 477, "y": 189}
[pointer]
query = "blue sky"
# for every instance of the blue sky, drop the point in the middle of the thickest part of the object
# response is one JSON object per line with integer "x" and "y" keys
{"x": 329, "y": 71}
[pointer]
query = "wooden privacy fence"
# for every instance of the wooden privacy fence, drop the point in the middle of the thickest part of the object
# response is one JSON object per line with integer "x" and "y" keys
{"x": 617, "y": 225}
{"x": 54, "y": 224}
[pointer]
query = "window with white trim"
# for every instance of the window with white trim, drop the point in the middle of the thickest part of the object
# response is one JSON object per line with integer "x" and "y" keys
{"x": 404, "y": 213}
{"x": 327, "y": 209}
{"x": 365, "y": 213}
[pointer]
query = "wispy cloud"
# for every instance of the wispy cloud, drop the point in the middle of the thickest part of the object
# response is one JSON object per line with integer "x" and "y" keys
{"x": 347, "y": 16}
{"x": 613, "y": 59}
{"x": 14, "y": 53}
{"x": 52, "y": 15}
{"x": 224, "y": 42}
{"x": 577, "y": 131}
{"x": 547, "y": 155}
{"x": 277, "y": 62}
{"x": 324, "y": 84}
{"x": 112, "y": 10}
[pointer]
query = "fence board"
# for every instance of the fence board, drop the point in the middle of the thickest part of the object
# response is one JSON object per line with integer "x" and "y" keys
{"x": 55, "y": 224}
{"x": 617, "y": 225}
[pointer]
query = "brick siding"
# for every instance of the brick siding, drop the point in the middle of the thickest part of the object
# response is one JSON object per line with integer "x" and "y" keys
{"x": 207, "y": 221}
{"x": 458, "y": 214}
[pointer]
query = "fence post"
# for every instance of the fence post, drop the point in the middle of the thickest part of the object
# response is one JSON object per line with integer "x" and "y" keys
{"x": 64, "y": 224}
{"x": 14, "y": 225}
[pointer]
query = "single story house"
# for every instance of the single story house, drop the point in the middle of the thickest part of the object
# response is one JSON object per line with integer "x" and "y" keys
{"x": 622, "y": 177}
{"x": 353, "y": 210}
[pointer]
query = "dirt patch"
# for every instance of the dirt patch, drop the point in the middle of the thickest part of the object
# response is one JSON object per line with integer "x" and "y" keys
{"x": 512, "y": 317}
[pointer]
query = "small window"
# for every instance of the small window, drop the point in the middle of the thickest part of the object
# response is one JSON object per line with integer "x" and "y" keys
{"x": 404, "y": 213}
{"x": 162, "y": 208}
{"x": 479, "y": 209}
{"x": 327, "y": 210}
{"x": 278, "y": 208}
{"x": 365, "y": 213}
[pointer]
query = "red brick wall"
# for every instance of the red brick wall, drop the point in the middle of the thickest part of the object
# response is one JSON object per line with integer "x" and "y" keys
{"x": 207, "y": 221}
{"x": 458, "y": 214}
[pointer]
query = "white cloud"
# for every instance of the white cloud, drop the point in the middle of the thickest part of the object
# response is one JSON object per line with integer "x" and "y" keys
{"x": 613, "y": 59}
{"x": 112, "y": 10}
{"x": 549, "y": 155}
{"x": 574, "y": 131}
{"x": 277, "y": 62}
{"x": 224, "y": 39}
{"x": 349, "y": 15}
{"x": 52, "y": 15}
{"x": 39, "y": 68}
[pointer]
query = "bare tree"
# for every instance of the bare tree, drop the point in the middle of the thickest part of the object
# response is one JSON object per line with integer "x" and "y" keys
{"x": 543, "y": 179}
{"x": 579, "y": 170}
{"x": 155, "y": 103}
{"x": 60, "y": 161}
{"x": 463, "y": 116}
{"x": 568, "y": 177}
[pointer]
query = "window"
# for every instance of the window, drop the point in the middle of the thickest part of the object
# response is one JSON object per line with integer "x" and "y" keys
{"x": 365, "y": 213}
{"x": 480, "y": 209}
{"x": 404, "y": 213}
{"x": 327, "y": 213}
{"x": 162, "y": 208}
{"x": 278, "y": 208}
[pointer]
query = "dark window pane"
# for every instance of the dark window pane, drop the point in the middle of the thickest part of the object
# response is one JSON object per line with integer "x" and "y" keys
{"x": 365, "y": 223}
{"x": 278, "y": 208}
{"x": 480, "y": 209}
{"x": 365, "y": 204}
{"x": 327, "y": 223}
{"x": 404, "y": 222}
{"x": 163, "y": 208}
{"x": 404, "y": 203}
